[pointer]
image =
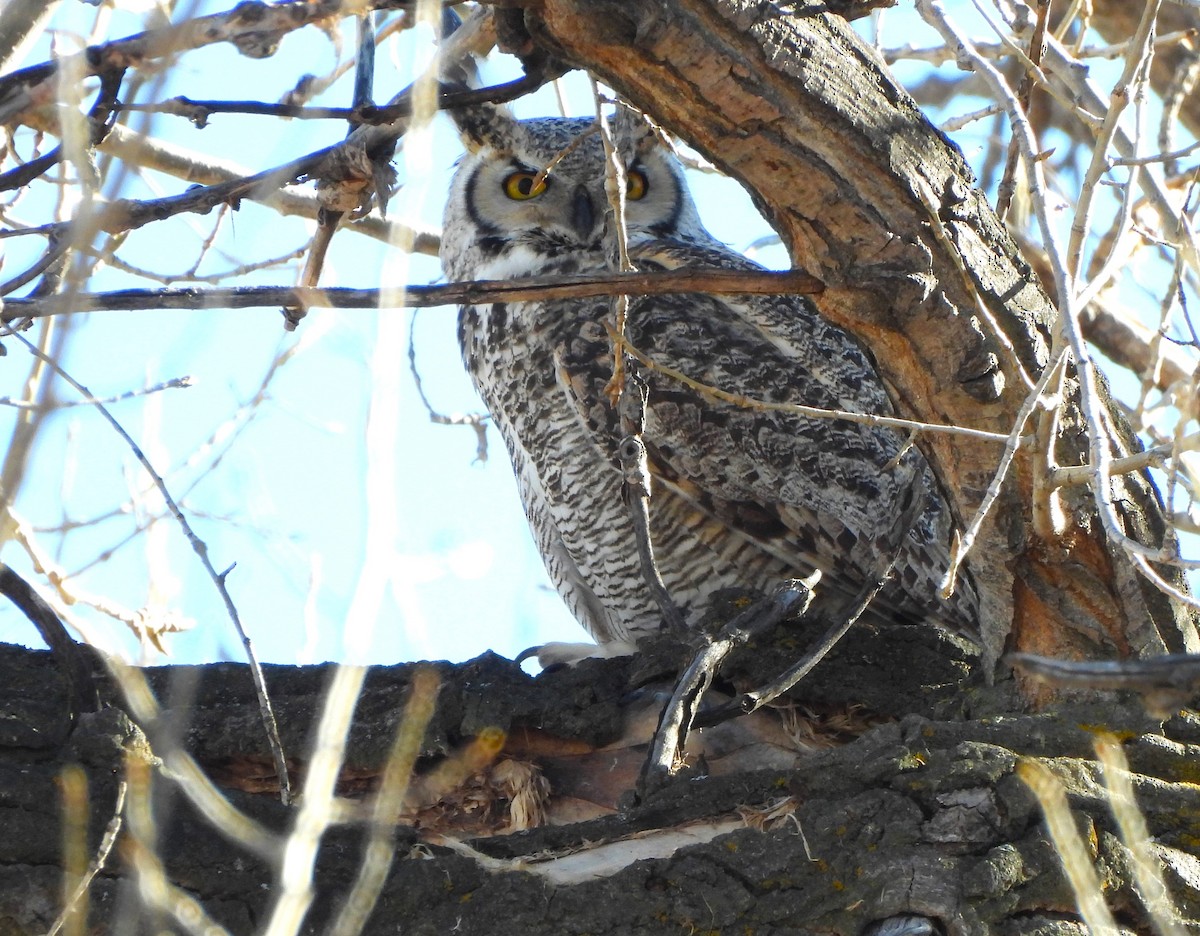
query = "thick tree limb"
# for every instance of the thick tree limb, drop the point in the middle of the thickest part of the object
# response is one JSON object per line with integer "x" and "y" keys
{"x": 923, "y": 816}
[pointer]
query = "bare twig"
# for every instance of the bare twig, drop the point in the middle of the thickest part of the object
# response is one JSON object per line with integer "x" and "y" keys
{"x": 963, "y": 544}
{"x": 211, "y": 279}
{"x": 174, "y": 383}
{"x": 1122, "y": 338}
{"x": 365, "y": 114}
{"x": 209, "y": 452}
{"x": 941, "y": 54}
{"x": 27, "y": 425}
{"x": 183, "y": 770}
{"x": 107, "y": 841}
{"x": 1064, "y": 271}
{"x": 1165, "y": 682}
{"x": 1007, "y": 187}
{"x": 562, "y": 154}
{"x": 790, "y": 599}
{"x": 255, "y": 30}
{"x": 477, "y": 421}
{"x": 1186, "y": 600}
{"x": 156, "y": 889}
{"x": 327, "y": 164}
{"x": 137, "y": 150}
{"x": 631, "y": 451}
{"x": 1171, "y": 156}
{"x": 1135, "y": 61}
{"x": 799, "y": 409}
{"x": 1076, "y": 860}
{"x": 749, "y": 702}
{"x": 1152, "y": 889}
{"x": 76, "y": 811}
{"x": 387, "y": 804}
{"x": 340, "y": 197}
{"x": 1154, "y": 457}
{"x": 317, "y": 802}
{"x": 52, "y": 258}
{"x": 615, "y": 182}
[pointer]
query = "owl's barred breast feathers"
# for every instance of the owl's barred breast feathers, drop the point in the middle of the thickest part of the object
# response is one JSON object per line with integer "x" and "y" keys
{"x": 743, "y": 497}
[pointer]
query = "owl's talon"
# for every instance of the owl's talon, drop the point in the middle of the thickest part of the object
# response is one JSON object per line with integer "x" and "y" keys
{"x": 564, "y": 653}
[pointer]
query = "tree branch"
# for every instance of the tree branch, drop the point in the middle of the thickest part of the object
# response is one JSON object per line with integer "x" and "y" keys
{"x": 556, "y": 286}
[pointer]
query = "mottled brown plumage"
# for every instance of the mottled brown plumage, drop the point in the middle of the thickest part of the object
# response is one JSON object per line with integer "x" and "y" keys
{"x": 742, "y": 497}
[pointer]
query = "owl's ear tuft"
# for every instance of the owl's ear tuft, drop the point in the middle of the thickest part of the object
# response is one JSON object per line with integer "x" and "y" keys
{"x": 633, "y": 130}
{"x": 486, "y": 126}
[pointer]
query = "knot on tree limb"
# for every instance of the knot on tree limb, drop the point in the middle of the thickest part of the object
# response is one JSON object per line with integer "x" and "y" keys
{"x": 350, "y": 174}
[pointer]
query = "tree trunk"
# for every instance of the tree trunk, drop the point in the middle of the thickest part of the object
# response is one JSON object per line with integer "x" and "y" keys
{"x": 872, "y": 199}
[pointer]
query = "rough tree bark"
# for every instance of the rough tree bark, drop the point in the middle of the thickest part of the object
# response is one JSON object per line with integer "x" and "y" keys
{"x": 921, "y": 816}
{"x": 921, "y": 813}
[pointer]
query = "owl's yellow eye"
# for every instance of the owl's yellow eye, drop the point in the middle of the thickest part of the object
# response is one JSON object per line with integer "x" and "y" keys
{"x": 636, "y": 184}
{"x": 522, "y": 186}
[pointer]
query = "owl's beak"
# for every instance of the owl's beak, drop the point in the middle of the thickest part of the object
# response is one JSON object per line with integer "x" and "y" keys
{"x": 583, "y": 214}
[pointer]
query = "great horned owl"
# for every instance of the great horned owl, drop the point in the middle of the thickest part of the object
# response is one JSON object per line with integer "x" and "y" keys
{"x": 741, "y": 497}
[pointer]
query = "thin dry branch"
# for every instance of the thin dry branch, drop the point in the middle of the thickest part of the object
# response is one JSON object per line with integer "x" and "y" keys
{"x": 386, "y": 806}
{"x": 23, "y": 92}
{"x": 200, "y": 169}
{"x": 799, "y": 409}
{"x": 1076, "y": 857}
{"x": 1167, "y": 681}
{"x": 329, "y": 162}
{"x": 1008, "y": 181}
{"x": 1136, "y": 60}
{"x": 1152, "y": 889}
{"x": 1064, "y": 262}
{"x": 449, "y": 98}
{"x": 556, "y": 286}
{"x": 255, "y": 28}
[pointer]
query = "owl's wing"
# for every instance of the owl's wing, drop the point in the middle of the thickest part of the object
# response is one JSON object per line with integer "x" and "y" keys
{"x": 778, "y": 494}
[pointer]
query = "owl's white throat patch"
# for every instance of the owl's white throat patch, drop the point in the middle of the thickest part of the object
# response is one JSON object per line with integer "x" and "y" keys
{"x": 519, "y": 261}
